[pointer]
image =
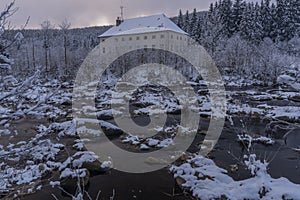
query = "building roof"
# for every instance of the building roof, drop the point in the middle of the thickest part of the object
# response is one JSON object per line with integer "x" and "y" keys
{"x": 146, "y": 24}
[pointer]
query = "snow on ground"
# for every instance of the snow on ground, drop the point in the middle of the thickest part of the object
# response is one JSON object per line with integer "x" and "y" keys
{"x": 149, "y": 142}
{"x": 63, "y": 128}
{"x": 264, "y": 104}
{"x": 289, "y": 80}
{"x": 208, "y": 181}
{"x": 131, "y": 139}
{"x": 34, "y": 153}
{"x": 244, "y": 108}
{"x": 33, "y": 98}
{"x": 238, "y": 81}
{"x": 83, "y": 157}
{"x": 37, "y": 156}
{"x": 25, "y": 163}
{"x": 74, "y": 173}
{"x": 290, "y": 112}
{"x": 248, "y": 139}
{"x": 79, "y": 144}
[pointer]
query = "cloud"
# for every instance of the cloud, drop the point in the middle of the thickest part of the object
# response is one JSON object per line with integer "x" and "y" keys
{"x": 82, "y": 13}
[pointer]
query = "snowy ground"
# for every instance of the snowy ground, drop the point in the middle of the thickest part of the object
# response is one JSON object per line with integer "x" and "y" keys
{"x": 208, "y": 181}
{"x": 40, "y": 146}
{"x": 35, "y": 126}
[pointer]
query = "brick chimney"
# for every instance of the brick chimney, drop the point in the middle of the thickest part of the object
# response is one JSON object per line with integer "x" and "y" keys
{"x": 118, "y": 21}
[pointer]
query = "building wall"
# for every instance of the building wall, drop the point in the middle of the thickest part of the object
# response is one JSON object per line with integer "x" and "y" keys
{"x": 167, "y": 40}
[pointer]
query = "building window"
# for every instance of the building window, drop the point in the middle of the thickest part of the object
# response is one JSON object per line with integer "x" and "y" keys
{"x": 137, "y": 38}
{"x": 145, "y": 46}
{"x": 145, "y": 37}
{"x": 103, "y": 40}
{"x": 123, "y": 39}
{"x": 130, "y": 38}
{"x": 153, "y": 46}
{"x": 177, "y": 37}
{"x": 180, "y": 38}
{"x": 103, "y": 50}
{"x": 162, "y": 36}
{"x": 153, "y": 36}
{"x": 116, "y": 39}
{"x": 171, "y": 36}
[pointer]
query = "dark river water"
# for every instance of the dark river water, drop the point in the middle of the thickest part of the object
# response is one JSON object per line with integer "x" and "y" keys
{"x": 284, "y": 162}
{"x": 160, "y": 185}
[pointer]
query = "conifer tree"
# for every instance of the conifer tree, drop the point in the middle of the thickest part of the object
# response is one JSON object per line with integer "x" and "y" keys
{"x": 225, "y": 11}
{"x": 193, "y": 24}
{"x": 180, "y": 19}
{"x": 186, "y": 24}
{"x": 247, "y": 23}
{"x": 266, "y": 18}
{"x": 282, "y": 19}
{"x": 237, "y": 15}
{"x": 273, "y": 24}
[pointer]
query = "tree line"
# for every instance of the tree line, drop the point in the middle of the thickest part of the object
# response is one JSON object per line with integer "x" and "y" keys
{"x": 56, "y": 50}
{"x": 253, "y": 40}
{"x": 278, "y": 21}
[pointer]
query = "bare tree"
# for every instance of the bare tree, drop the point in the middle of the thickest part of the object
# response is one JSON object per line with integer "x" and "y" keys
{"x": 64, "y": 26}
{"x": 33, "y": 54}
{"x": 46, "y": 27}
{"x": 6, "y": 13}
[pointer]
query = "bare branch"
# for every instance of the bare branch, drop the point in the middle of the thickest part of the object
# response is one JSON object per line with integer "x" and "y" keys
{"x": 21, "y": 87}
{"x": 6, "y": 13}
{"x": 65, "y": 25}
{"x": 26, "y": 23}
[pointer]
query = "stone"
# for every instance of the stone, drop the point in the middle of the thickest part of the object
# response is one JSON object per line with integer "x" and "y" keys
{"x": 94, "y": 168}
{"x": 295, "y": 98}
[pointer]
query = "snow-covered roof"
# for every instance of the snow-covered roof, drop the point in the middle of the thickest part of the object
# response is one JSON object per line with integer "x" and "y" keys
{"x": 146, "y": 24}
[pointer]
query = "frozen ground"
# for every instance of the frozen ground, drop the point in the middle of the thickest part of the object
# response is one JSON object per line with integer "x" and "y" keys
{"x": 208, "y": 181}
{"x": 40, "y": 144}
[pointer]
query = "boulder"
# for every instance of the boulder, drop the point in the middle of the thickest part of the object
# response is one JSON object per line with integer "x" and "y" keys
{"x": 295, "y": 98}
{"x": 94, "y": 168}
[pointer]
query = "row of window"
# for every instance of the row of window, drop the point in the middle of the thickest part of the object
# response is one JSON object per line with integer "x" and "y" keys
{"x": 145, "y": 46}
{"x": 138, "y": 38}
{"x": 146, "y": 37}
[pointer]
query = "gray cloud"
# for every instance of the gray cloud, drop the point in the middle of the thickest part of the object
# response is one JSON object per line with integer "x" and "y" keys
{"x": 82, "y": 13}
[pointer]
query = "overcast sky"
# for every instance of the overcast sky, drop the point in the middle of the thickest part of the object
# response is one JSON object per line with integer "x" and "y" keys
{"x": 83, "y": 13}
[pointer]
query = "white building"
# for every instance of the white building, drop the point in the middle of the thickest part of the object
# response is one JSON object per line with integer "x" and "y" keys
{"x": 150, "y": 32}
{"x": 156, "y": 31}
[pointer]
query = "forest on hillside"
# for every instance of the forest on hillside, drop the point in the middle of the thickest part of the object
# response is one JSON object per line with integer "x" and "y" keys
{"x": 252, "y": 40}
{"x": 56, "y": 50}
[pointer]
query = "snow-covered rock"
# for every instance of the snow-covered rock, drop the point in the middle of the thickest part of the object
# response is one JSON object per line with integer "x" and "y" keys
{"x": 207, "y": 181}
